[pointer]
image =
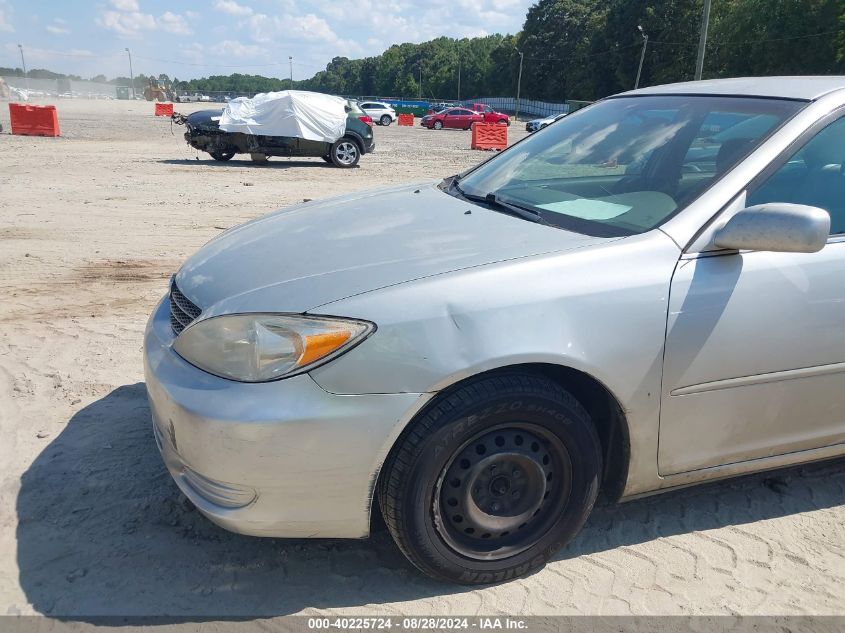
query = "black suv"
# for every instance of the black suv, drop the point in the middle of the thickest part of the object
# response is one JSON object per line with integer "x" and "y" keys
{"x": 204, "y": 134}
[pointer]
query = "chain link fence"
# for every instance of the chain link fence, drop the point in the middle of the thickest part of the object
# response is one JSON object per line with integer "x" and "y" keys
{"x": 68, "y": 88}
{"x": 63, "y": 88}
{"x": 528, "y": 108}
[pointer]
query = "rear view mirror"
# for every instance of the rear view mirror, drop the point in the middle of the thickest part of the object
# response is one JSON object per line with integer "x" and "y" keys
{"x": 777, "y": 227}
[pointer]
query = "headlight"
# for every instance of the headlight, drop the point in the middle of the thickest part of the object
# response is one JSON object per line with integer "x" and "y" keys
{"x": 263, "y": 347}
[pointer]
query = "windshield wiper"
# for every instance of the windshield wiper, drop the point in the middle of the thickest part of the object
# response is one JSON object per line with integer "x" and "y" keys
{"x": 497, "y": 204}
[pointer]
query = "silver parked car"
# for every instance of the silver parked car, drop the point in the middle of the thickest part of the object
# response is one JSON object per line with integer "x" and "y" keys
{"x": 628, "y": 301}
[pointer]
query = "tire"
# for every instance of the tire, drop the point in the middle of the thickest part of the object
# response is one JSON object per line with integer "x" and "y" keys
{"x": 503, "y": 122}
{"x": 385, "y": 120}
{"x": 442, "y": 476}
{"x": 328, "y": 159}
{"x": 259, "y": 159}
{"x": 345, "y": 153}
{"x": 438, "y": 125}
{"x": 222, "y": 156}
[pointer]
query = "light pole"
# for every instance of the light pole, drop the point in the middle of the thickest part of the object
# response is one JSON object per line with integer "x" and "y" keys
{"x": 131, "y": 74}
{"x": 642, "y": 57}
{"x": 702, "y": 41}
{"x": 459, "y": 78}
{"x": 290, "y": 59}
{"x": 23, "y": 63}
{"x": 419, "y": 87}
{"x": 518, "y": 82}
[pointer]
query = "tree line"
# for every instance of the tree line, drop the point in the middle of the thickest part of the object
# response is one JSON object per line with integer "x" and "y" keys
{"x": 587, "y": 49}
{"x": 578, "y": 49}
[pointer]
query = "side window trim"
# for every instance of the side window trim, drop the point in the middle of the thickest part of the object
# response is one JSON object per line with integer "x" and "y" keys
{"x": 703, "y": 243}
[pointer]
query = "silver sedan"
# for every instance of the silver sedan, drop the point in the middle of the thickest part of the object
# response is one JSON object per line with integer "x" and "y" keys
{"x": 648, "y": 294}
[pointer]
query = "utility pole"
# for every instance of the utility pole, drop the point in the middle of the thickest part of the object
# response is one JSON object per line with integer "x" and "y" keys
{"x": 702, "y": 41}
{"x": 459, "y": 78}
{"x": 518, "y": 82}
{"x": 23, "y": 63}
{"x": 642, "y": 57}
{"x": 419, "y": 96}
{"x": 290, "y": 59}
{"x": 131, "y": 75}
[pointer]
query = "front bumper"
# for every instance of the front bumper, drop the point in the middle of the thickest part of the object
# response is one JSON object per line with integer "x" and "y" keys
{"x": 284, "y": 458}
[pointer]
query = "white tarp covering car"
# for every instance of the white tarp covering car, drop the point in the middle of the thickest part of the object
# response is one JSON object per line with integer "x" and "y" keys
{"x": 293, "y": 113}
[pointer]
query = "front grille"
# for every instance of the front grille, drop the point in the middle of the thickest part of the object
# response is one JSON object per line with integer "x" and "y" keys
{"x": 182, "y": 310}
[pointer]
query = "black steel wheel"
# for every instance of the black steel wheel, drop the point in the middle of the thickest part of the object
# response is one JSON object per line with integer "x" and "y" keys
{"x": 493, "y": 497}
{"x": 222, "y": 156}
{"x": 492, "y": 479}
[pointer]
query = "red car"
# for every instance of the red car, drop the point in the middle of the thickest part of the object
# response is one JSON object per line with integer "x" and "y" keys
{"x": 455, "y": 118}
{"x": 490, "y": 115}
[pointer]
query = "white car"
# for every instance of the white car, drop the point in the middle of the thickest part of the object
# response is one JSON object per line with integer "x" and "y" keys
{"x": 382, "y": 113}
{"x": 539, "y": 124}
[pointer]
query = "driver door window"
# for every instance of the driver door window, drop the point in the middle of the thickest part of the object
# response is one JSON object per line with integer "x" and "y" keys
{"x": 814, "y": 175}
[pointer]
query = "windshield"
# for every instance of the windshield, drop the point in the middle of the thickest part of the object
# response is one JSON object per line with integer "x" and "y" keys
{"x": 624, "y": 166}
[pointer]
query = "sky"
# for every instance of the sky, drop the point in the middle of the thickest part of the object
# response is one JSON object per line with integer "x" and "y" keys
{"x": 195, "y": 38}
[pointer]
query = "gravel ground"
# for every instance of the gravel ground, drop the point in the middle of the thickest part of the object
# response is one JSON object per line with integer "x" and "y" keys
{"x": 91, "y": 226}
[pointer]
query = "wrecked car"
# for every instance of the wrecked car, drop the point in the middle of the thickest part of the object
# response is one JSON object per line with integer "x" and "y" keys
{"x": 481, "y": 357}
{"x": 291, "y": 123}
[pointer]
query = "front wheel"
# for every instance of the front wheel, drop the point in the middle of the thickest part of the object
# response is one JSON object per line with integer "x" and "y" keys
{"x": 385, "y": 120}
{"x": 493, "y": 480}
{"x": 222, "y": 156}
{"x": 438, "y": 125}
{"x": 345, "y": 153}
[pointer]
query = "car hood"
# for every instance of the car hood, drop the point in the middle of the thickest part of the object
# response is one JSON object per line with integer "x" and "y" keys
{"x": 205, "y": 119}
{"x": 319, "y": 252}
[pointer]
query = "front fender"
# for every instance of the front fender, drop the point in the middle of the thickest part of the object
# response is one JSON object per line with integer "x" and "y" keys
{"x": 600, "y": 310}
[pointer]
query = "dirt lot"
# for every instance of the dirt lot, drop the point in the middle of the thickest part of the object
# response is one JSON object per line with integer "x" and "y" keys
{"x": 91, "y": 226}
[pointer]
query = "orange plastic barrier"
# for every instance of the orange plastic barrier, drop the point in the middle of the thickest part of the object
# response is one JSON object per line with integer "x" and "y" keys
{"x": 489, "y": 136}
{"x": 30, "y": 120}
{"x": 406, "y": 119}
{"x": 164, "y": 109}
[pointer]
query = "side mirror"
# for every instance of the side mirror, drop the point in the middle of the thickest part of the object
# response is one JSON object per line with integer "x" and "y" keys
{"x": 778, "y": 227}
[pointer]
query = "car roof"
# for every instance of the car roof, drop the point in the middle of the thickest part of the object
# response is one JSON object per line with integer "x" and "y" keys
{"x": 807, "y": 88}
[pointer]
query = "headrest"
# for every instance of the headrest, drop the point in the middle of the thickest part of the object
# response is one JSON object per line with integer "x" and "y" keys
{"x": 730, "y": 152}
